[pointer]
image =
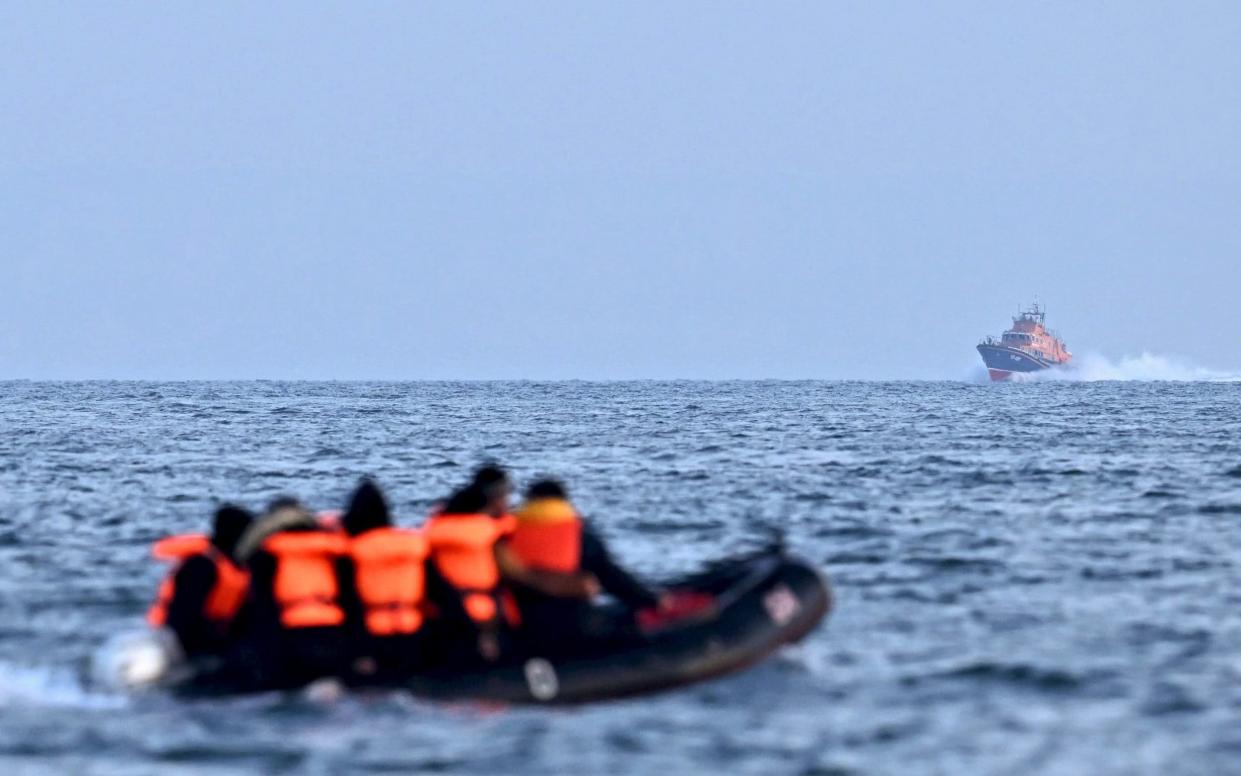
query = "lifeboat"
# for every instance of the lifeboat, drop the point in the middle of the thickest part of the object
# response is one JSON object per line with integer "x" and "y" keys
{"x": 1026, "y": 347}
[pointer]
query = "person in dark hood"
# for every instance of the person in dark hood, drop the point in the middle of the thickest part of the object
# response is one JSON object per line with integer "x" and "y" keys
{"x": 203, "y": 599}
{"x": 493, "y": 483}
{"x": 383, "y": 587}
{"x": 368, "y": 509}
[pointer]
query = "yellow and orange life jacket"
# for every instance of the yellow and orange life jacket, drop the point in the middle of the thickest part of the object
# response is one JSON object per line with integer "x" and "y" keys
{"x": 390, "y": 576}
{"x": 225, "y": 598}
{"x": 463, "y": 549}
{"x": 548, "y": 536}
{"x": 305, "y": 587}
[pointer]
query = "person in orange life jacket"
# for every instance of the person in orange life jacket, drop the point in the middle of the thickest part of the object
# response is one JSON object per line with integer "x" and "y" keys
{"x": 550, "y": 534}
{"x": 297, "y": 629}
{"x": 470, "y": 553}
{"x": 497, "y": 489}
{"x": 464, "y": 577}
{"x": 202, "y": 600}
{"x": 382, "y": 586}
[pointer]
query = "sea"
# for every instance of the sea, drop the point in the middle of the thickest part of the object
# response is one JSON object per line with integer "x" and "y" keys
{"x": 1029, "y": 578}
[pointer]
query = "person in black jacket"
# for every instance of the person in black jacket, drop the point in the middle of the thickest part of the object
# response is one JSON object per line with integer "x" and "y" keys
{"x": 393, "y": 560}
{"x": 296, "y": 632}
{"x": 456, "y": 637}
{"x": 188, "y": 613}
{"x": 551, "y": 536}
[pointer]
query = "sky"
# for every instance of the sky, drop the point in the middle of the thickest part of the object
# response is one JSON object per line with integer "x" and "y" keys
{"x": 611, "y": 190}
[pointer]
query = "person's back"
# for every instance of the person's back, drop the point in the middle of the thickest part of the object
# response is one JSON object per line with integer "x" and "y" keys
{"x": 551, "y": 536}
{"x": 384, "y": 581}
{"x": 202, "y": 599}
{"x": 471, "y": 552}
{"x": 298, "y": 623}
{"x": 474, "y": 612}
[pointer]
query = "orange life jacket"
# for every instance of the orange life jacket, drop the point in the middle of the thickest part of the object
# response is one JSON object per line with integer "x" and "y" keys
{"x": 390, "y": 576}
{"x": 225, "y": 598}
{"x": 305, "y": 587}
{"x": 548, "y": 536}
{"x": 463, "y": 549}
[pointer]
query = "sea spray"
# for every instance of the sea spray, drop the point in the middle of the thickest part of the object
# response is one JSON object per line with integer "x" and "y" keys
{"x": 137, "y": 659}
{"x": 44, "y": 685}
{"x": 1092, "y": 367}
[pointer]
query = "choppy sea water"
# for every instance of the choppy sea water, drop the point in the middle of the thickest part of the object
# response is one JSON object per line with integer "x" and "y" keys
{"x": 1035, "y": 578}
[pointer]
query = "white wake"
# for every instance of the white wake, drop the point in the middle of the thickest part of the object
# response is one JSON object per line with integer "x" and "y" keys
{"x": 42, "y": 685}
{"x": 1093, "y": 367}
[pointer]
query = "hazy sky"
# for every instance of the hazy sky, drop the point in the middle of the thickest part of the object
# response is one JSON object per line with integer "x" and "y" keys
{"x": 600, "y": 190}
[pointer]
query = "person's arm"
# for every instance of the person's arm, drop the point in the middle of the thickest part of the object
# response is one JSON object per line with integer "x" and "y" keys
{"x": 350, "y": 601}
{"x": 443, "y": 598}
{"x": 265, "y": 615}
{"x": 547, "y": 582}
{"x": 193, "y": 583}
{"x": 614, "y": 580}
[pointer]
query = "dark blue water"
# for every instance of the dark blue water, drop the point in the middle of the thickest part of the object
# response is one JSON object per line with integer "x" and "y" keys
{"x": 1030, "y": 578}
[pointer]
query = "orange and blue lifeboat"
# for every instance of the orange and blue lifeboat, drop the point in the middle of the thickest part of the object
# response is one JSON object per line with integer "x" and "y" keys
{"x": 1026, "y": 347}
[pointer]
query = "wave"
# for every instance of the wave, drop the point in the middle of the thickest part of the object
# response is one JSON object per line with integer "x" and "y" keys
{"x": 1094, "y": 367}
{"x": 43, "y": 686}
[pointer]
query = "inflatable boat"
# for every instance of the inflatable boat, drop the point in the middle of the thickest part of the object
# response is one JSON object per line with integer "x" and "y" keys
{"x": 725, "y": 618}
{"x": 738, "y": 613}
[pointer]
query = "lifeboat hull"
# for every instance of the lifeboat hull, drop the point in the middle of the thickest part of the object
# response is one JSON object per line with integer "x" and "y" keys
{"x": 1003, "y": 362}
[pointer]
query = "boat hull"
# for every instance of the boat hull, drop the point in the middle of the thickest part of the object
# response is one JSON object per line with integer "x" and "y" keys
{"x": 781, "y": 601}
{"x": 1004, "y": 362}
{"x": 758, "y": 604}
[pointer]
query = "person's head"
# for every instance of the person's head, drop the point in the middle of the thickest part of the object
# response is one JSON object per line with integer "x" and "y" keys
{"x": 283, "y": 503}
{"x": 546, "y": 501}
{"x": 546, "y": 489}
{"x": 284, "y": 513}
{"x": 367, "y": 509}
{"x": 228, "y": 526}
{"x": 493, "y": 483}
{"x": 470, "y": 500}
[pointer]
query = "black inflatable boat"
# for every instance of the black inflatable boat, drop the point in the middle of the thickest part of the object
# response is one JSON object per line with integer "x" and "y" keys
{"x": 740, "y": 611}
{"x": 751, "y": 607}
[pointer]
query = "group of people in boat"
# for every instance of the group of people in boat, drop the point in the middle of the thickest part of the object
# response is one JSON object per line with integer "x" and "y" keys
{"x": 280, "y": 599}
